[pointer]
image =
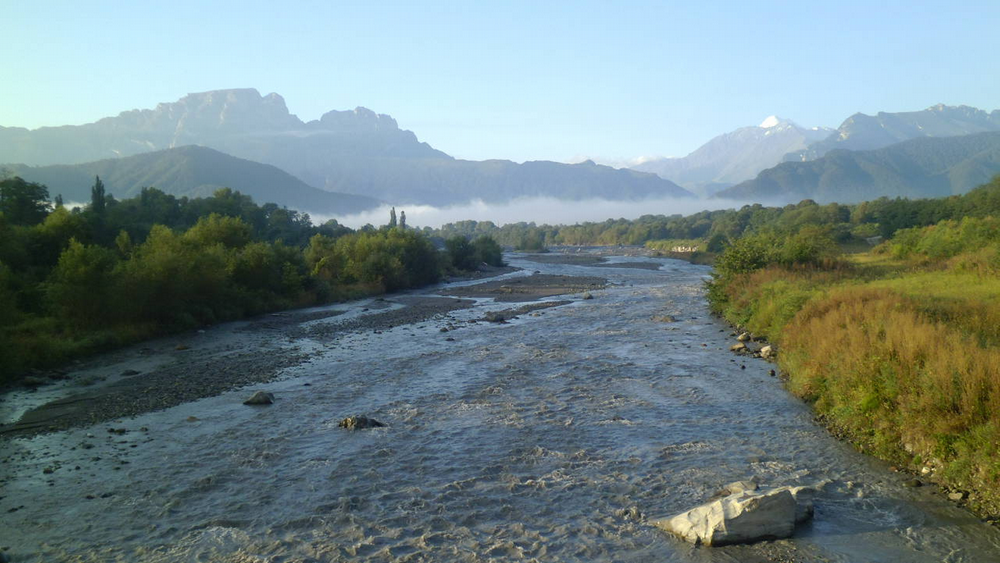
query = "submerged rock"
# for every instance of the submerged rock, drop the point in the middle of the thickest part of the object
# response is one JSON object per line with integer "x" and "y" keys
{"x": 743, "y": 517}
{"x": 260, "y": 398}
{"x": 359, "y": 423}
{"x": 739, "y": 347}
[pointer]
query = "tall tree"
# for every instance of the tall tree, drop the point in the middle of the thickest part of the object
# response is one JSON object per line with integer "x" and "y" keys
{"x": 392, "y": 218}
{"x": 402, "y": 219}
{"x": 98, "y": 202}
{"x": 23, "y": 203}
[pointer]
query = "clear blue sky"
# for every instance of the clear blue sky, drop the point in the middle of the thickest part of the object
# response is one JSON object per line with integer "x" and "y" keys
{"x": 518, "y": 80}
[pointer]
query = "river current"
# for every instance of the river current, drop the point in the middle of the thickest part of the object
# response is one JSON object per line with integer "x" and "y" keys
{"x": 550, "y": 438}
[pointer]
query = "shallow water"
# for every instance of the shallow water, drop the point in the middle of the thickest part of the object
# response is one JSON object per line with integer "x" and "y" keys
{"x": 523, "y": 441}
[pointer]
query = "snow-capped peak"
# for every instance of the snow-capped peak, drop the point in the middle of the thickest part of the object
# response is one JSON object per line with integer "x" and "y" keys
{"x": 771, "y": 121}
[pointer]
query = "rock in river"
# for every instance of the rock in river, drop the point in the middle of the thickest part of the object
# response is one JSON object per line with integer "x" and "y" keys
{"x": 768, "y": 352}
{"x": 359, "y": 422}
{"x": 260, "y": 398}
{"x": 743, "y": 517}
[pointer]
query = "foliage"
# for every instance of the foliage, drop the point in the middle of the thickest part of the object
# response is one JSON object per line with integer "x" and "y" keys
{"x": 76, "y": 282}
{"x": 23, "y": 203}
{"x": 461, "y": 253}
{"x": 488, "y": 251}
{"x": 896, "y": 350}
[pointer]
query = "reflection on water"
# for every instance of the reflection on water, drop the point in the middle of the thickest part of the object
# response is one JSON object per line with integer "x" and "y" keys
{"x": 549, "y": 439}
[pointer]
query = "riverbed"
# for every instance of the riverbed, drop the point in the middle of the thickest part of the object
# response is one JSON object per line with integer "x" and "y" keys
{"x": 552, "y": 436}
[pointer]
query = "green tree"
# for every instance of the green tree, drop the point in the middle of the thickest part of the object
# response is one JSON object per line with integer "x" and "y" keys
{"x": 392, "y": 218}
{"x": 82, "y": 283}
{"x": 461, "y": 254}
{"x": 230, "y": 232}
{"x": 23, "y": 203}
{"x": 487, "y": 250}
{"x": 98, "y": 199}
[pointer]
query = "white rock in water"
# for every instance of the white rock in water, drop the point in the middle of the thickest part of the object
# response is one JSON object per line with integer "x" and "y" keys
{"x": 768, "y": 352}
{"x": 803, "y": 502}
{"x": 739, "y": 518}
{"x": 739, "y": 487}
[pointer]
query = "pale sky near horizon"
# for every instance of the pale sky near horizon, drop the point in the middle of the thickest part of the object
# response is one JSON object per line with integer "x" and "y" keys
{"x": 516, "y": 80}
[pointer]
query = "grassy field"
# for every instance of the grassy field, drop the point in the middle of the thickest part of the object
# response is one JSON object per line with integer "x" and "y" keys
{"x": 897, "y": 351}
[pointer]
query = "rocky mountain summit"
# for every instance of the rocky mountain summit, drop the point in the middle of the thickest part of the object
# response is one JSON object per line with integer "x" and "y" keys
{"x": 357, "y": 152}
{"x": 736, "y": 156}
{"x": 867, "y": 132}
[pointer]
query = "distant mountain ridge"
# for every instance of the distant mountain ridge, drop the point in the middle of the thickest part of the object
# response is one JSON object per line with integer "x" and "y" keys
{"x": 191, "y": 171}
{"x": 736, "y": 156}
{"x": 358, "y": 152}
{"x": 917, "y": 168}
{"x": 867, "y": 132}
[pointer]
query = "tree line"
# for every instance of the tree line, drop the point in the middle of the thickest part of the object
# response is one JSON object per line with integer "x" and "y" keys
{"x": 715, "y": 230}
{"x": 112, "y": 272}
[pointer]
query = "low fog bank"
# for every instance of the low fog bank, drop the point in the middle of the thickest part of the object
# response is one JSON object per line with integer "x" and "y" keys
{"x": 540, "y": 210}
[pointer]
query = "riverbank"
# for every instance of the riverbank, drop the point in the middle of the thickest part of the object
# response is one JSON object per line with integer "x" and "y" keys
{"x": 898, "y": 357}
{"x": 172, "y": 371}
{"x": 555, "y": 436}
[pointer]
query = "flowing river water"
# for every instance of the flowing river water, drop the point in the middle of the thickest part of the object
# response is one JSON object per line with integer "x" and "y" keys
{"x": 551, "y": 438}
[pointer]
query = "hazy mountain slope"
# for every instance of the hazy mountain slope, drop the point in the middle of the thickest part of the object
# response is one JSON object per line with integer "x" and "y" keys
{"x": 349, "y": 151}
{"x": 866, "y": 132}
{"x": 736, "y": 156}
{"x": 927, "y": 167}
{"x": 194, "y": 172}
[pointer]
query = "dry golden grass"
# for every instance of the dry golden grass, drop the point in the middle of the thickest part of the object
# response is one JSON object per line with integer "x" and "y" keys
{"x": 901, "y": 357}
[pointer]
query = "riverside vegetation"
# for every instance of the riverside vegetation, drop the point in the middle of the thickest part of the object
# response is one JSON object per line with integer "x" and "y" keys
{"x": 895, "y": 348}
{"x": 114, "y": 272}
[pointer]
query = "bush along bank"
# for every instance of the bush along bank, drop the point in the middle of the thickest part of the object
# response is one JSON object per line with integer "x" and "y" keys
{"x": 77, "y": 282}
{"x": 897, "y": 350}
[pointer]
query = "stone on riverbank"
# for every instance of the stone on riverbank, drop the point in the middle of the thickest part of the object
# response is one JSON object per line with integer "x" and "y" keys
{"x": 260, "y": 398}
{"x": 359, "y": 423}
{"x": 768, "y": 352}
{"x": 743, "y": 517}
{"x": 743, "y": 337}
{"x": 739, "y": 347}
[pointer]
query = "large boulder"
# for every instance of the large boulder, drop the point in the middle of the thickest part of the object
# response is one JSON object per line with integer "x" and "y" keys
{"x": 743, "y": 517}
{"x": 359, "y": 423}
{"x": 260, "y": 398}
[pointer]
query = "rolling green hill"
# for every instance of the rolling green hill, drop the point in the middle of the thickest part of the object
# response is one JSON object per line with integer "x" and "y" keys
{"x": 919, "y": 168}
{"x": 191, "y": 171}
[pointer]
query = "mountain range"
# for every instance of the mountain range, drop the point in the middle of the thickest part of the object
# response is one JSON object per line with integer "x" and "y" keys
{"x": 736, "y": 156}
{"x": 191, "y": 171}
{"x": 866, "y": 132}
{"x": 924, "y": 167}
{"x": 752, "y": 157}
{"x": 358, "y": 152}
{"x": 347, "y": 161}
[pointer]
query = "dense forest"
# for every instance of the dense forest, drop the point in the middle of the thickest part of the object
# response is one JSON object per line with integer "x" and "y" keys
{"x": 112, "y": 272}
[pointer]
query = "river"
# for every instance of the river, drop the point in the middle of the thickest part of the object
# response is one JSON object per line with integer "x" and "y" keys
{"x": 541, "y": 439}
